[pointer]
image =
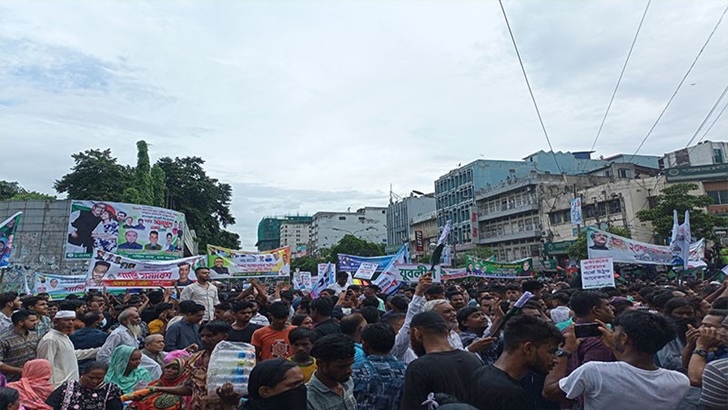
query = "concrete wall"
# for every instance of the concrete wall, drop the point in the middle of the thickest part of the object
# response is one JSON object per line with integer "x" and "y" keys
{"x": 328, "y": 228}
{"x": 39, "y": 242}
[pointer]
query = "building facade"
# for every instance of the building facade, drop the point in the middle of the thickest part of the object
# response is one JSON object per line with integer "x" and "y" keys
{"x": 423, "y": 236}
{"x": 328, "y": 228}
{"x": 704, "y": 153}
{"x": 296, "y": 235}
{"x": 269, "y": 230}
{"x": 400, "y": 215}
{"x": 455, "y": 192}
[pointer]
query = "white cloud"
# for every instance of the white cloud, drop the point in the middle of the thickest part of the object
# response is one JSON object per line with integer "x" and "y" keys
{"x": 307, "y": 106}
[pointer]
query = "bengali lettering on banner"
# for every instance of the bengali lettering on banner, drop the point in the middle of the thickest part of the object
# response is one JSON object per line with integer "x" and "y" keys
{"x": 602, "y": 244}
{"x": 141, "y": 232}
{"x": 597, "y": 273}
{"x": 116, "y": 271}
{"x": 366, "y": 270}
{"x": 227, "y": 263}
{"x": 413, "y": 272}
{"x": 58, "y": 286}
{"x": 7, "y": 234}
{"x": 481, "y": 268}
{"x": 351, "y": 263}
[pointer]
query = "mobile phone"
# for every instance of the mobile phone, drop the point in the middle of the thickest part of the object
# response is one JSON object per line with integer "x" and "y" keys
{"x": 505, "y": 306}
{"x": 587, "y": 330}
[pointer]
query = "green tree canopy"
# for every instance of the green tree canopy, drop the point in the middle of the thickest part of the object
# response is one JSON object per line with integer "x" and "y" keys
{"x": 96, "y": 175}
{"x": 351, "y": 245}
{"x": 12, "y": 191}
{"x": 678, "y": 197}
{"x": 579, "y": 251}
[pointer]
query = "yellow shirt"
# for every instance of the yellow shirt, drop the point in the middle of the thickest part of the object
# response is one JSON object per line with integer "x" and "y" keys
{"x": 307, "y": 370}
{"x": 155, "y": 326}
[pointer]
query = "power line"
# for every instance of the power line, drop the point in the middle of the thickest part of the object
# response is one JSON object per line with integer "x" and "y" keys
{"x": 717, "y": 117}
{"x": 619, "y": 80}
{"x": 705, "y": 120}
{"x": 528, "y": 84}
{"x": 680, "y": 84}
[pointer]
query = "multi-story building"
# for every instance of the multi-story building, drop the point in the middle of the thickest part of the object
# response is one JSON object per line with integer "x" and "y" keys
{"x": 423, "y": 236}
{"x": 399, "y": 216}
{"x": 704, "y": 153}
{"x": 328, "y": 228}
{"x": 269, "y": 230}
{"x": 455, "y": 192}
{"x": 296, "y": 235}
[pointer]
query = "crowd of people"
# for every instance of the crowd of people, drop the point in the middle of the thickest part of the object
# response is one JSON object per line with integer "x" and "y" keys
{"x": 459, "y": 345}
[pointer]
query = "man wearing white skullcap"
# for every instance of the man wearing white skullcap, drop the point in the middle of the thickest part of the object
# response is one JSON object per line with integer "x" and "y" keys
{"x": 57, "y": 348}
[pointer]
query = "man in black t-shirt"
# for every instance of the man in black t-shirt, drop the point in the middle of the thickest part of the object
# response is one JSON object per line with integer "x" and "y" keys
{"x": 439, "y": 368}
{"x": 242, "y": 329}
{"x": 530, "y": 344}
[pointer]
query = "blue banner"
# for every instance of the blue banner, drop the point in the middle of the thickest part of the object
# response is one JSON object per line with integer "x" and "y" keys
{"x": 350, "y": 263}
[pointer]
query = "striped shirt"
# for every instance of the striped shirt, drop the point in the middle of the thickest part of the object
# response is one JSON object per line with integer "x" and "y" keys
{"x": 17, "y": 349}
{"x": 715, "y": 385}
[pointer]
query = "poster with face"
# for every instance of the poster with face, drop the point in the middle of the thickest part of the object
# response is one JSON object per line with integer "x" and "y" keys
{"x": 119, "y": 272}
{"x": 58, "y": 286}
{"x": 229, "y": 263}
{"x": 137, "y": 231}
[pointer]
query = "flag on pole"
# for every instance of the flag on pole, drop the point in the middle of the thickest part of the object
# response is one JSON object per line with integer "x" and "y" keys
{"x": 7, "y": 234}
{"x": 437, "y": 253}
{"x": 326, "y": 278}
{"x": 680, "y": 240}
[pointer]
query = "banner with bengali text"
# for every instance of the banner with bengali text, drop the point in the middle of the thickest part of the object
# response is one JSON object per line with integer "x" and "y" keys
{"x": 116, "y": 271}
{"x": 58, "y": 286}
{"x": 602, "y": 244}
{"x": 481, "y": 268}
{"x": 227, "y": 263}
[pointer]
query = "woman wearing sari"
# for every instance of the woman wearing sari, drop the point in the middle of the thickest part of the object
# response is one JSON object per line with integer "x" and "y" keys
{"x": 89, "y": 393}
{"x": 173, "y": 375}
{"x": 34, "y": 385}
{"x": 124, "y": 370}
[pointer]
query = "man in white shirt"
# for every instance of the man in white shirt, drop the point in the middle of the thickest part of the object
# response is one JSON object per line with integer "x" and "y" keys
{"x": 634, "y": 381}
{"x": 9, "y": 303}
{"x": 57, "y": 348}
{"x": 342, "y": 281}
{"x": 202, "y": 292}
{"x": 128, "y": 334}
{"x": 560, "y": 312}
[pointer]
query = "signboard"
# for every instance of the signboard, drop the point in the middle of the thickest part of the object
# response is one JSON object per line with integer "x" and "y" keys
{"x": 597, "y": 273}
{"x": 413, "y": 272}
{"x": 302, "y": 280}
{"x": 58, "y": 286}
{"x": 557, "y": 248}
{"x": 485, "y": 269}
{"x": 602, "y": 244}
{"x": 116, "y": 271}
{"x": 227, "y": 263}
{"x": 698, "y": 173}
{"x": 419, "y": 241}
{"x": 576, "y": 217}
{"x": 366, "y": 270}
{"x": 137, "y": 231}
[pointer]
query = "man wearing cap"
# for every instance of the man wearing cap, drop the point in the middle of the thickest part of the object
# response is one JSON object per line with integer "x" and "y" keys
{"x": 440, "y": 368}
{"x": 57, "y": 348}
{"x": 202, "y": 292}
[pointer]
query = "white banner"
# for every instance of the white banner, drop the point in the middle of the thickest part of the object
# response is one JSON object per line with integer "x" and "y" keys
{"x": 58, "y": 286}
{"x": 366, "y": 270}
{"x": 576, "y": 217}
{"x": 597, "y": 273}
{"x": 118, "y": 272}
{"x": 602, "y": 244}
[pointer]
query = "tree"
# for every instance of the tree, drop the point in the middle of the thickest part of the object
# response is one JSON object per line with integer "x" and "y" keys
{"x": 159, "y": 190}
{"x": 96, "y": 175}
{"x": 480, "y": 252}
{"x": 351, "y": 245}
{"x": 307, "y": 263}
{"x": 204, "y": 200}
{"x": 12, "y": 191}
{"x": 678, "y": 197}
{"x": 579, "y": 251}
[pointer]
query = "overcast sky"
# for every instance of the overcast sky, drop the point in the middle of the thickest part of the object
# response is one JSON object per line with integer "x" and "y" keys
{"x": 320, "y": 106}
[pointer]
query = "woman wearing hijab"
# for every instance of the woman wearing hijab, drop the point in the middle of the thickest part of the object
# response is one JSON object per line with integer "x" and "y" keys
{"x": 276, "y": 384}
{"x": 89, "y": 393}
{"x": 35, "y": 385}
{"x": 173, "y": 375}
{"x": 124, "y": 370}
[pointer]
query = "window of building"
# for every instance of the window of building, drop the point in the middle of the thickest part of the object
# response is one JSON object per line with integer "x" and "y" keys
{"x": 717, "y": 156}
{"x": 555, "y": 218}
{"x": 590, "y": 211}
{"x": 342, "y": 218}
{"x": 615, "y": 206}
{"x": 718, "y": 197}
{"x": 622, "y": 173}
{"x": 602, "y": 209}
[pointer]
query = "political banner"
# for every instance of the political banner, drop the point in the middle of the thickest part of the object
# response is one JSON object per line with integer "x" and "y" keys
{"x": 680, "y": 241}
{"x": 7, "y": 234}
{"x": 351, "y": 263}
{"x": 227, "y": 263}
{"x": 576, "y": 216}
{"x": 482, "y": 268}
{"x": 116, "y": 271}
{"x": 321, "y": 268}
{"x": 141, "y": 232}
{"x": 301, "y": 280}
{"x": 366, "y": 270}
{"x": 326, "y": 277}
{"x": 58, "y": 286}
{"x": 597, "y": 273}
{"x": 602, "y": 244}
{"x": 454, "y": 273}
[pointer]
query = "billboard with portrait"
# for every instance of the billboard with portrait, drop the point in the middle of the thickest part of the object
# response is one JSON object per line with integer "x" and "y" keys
{"x": 119, "y": 272}
{"x": 137, "y": 231}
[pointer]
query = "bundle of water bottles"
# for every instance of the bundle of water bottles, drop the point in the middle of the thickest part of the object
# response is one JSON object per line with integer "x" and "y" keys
{"x": 230, "y": 362}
